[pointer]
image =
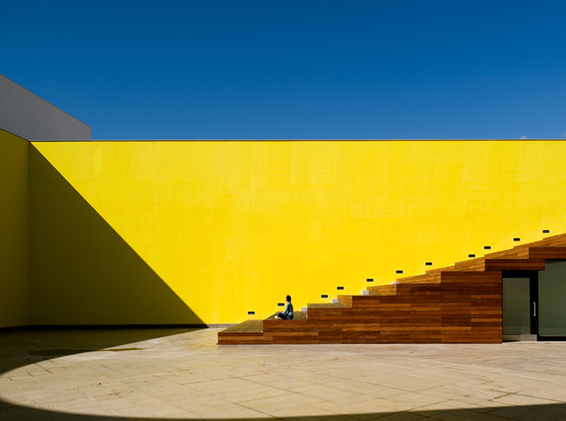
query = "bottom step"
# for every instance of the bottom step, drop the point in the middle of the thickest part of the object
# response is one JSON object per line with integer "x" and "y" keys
{"x": 249, "y": 326}
{"x": 248, "y": 332}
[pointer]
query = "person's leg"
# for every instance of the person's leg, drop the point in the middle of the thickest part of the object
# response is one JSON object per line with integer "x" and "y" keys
{"x": 282, "y": 316}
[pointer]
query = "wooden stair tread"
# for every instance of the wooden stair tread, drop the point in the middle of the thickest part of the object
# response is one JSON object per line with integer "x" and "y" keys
{"x": 249, "y": 326}
{"x": 326, "y": 305}
{"x": 297, "y": 315}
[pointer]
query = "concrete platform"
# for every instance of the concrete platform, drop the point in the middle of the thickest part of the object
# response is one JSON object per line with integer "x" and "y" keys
{"x": 182, "y": 374}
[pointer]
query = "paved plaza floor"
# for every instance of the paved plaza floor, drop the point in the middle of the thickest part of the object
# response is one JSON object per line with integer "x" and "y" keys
{"x": 150, "y": 374}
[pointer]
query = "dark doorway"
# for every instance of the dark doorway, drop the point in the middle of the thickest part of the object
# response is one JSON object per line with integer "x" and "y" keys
{"x": 534, "y": 303}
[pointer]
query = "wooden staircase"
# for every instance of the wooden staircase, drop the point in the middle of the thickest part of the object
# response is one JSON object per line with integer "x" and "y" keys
{"x": 456, "y": 304}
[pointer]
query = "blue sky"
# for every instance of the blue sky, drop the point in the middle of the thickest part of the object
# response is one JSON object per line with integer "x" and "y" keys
{"x": 395, "y": 69}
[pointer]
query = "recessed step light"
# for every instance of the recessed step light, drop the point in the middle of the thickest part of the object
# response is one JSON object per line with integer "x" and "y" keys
{"x": 487, "y": 247}
{"x": 251, "y": 313}
{"x": 546, "y": 231}
{"x": 324, "y": 296}
{"x": 369, "y": 280}
{"x": 428, "y": 264}
{"x": 471, "y": 255}
{"x": 516, "y": 239}
{"x": 399, "y": 272}
{"x": 281, "y": 304}
{"x": 340, "y": 288}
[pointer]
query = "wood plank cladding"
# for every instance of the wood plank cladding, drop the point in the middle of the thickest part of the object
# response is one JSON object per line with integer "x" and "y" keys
{"x": 457, "y": 304}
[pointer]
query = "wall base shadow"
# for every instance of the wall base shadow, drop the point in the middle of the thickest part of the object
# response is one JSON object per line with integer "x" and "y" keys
{"x": 17, "y": 350}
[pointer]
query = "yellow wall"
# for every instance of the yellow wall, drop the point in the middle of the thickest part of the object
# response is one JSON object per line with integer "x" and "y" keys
{"x": 13, "y": 230}
{"x": 233, "y": 226}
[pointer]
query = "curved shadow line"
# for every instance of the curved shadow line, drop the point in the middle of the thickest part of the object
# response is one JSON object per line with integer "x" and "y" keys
{"x": 100, "y": 339}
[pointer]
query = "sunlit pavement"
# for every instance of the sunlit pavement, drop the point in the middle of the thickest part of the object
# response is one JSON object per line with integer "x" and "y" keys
{"x": 183, "y": 374}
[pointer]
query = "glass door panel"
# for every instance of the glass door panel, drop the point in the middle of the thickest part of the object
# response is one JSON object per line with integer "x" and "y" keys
{"x": 516, "y": 306}
{"x": 552, "y": 299}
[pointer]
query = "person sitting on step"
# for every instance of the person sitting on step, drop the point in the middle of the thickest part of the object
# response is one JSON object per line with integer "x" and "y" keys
{"x": 288, "y": 313}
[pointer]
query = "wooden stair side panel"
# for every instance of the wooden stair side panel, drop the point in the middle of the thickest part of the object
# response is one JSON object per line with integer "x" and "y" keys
{"x": 297, "y": 330}
{"x": 514, "y": 264}
{"x": 307, "y": 331}
{"x": 550, "y": 253}
{"x": 289, "y": 331}
{"x": 412, "y": 315}
{"x": 472, "y": 307}
{"x": 422, "y": 321}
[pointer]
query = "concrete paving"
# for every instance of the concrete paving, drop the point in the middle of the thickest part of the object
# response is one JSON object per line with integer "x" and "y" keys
{"x": 182, "y": 374}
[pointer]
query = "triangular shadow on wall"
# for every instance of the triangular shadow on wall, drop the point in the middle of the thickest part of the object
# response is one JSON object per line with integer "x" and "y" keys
{"x": 81, "y": 271}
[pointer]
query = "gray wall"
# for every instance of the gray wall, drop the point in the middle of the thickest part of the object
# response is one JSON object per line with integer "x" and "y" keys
{"x": 27, "y": 115}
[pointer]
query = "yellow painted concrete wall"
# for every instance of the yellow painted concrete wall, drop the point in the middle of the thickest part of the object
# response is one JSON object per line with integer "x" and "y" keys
{"x": 233, "y": 226}
{"x": 13, "y": 230}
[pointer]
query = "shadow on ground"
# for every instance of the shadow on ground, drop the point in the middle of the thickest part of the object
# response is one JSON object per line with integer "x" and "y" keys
{"x": 25, "y": 347}
{"x": 524, "y": 413}
{"x": 18, "y": 350}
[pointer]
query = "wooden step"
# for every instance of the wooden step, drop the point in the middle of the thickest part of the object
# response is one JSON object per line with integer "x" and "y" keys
{"x": 318, "y": 311}
{"x": 429, "y": 277}
{"x": 477, "y": 264}
{"x": 249, "y": 326}
{"x": 297, "y": 315}
{"x": 517, "y": 252}
{"x": 383, "y": 290}
{"x": 325, "y": 305}
{"x": 248, "y": 332}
